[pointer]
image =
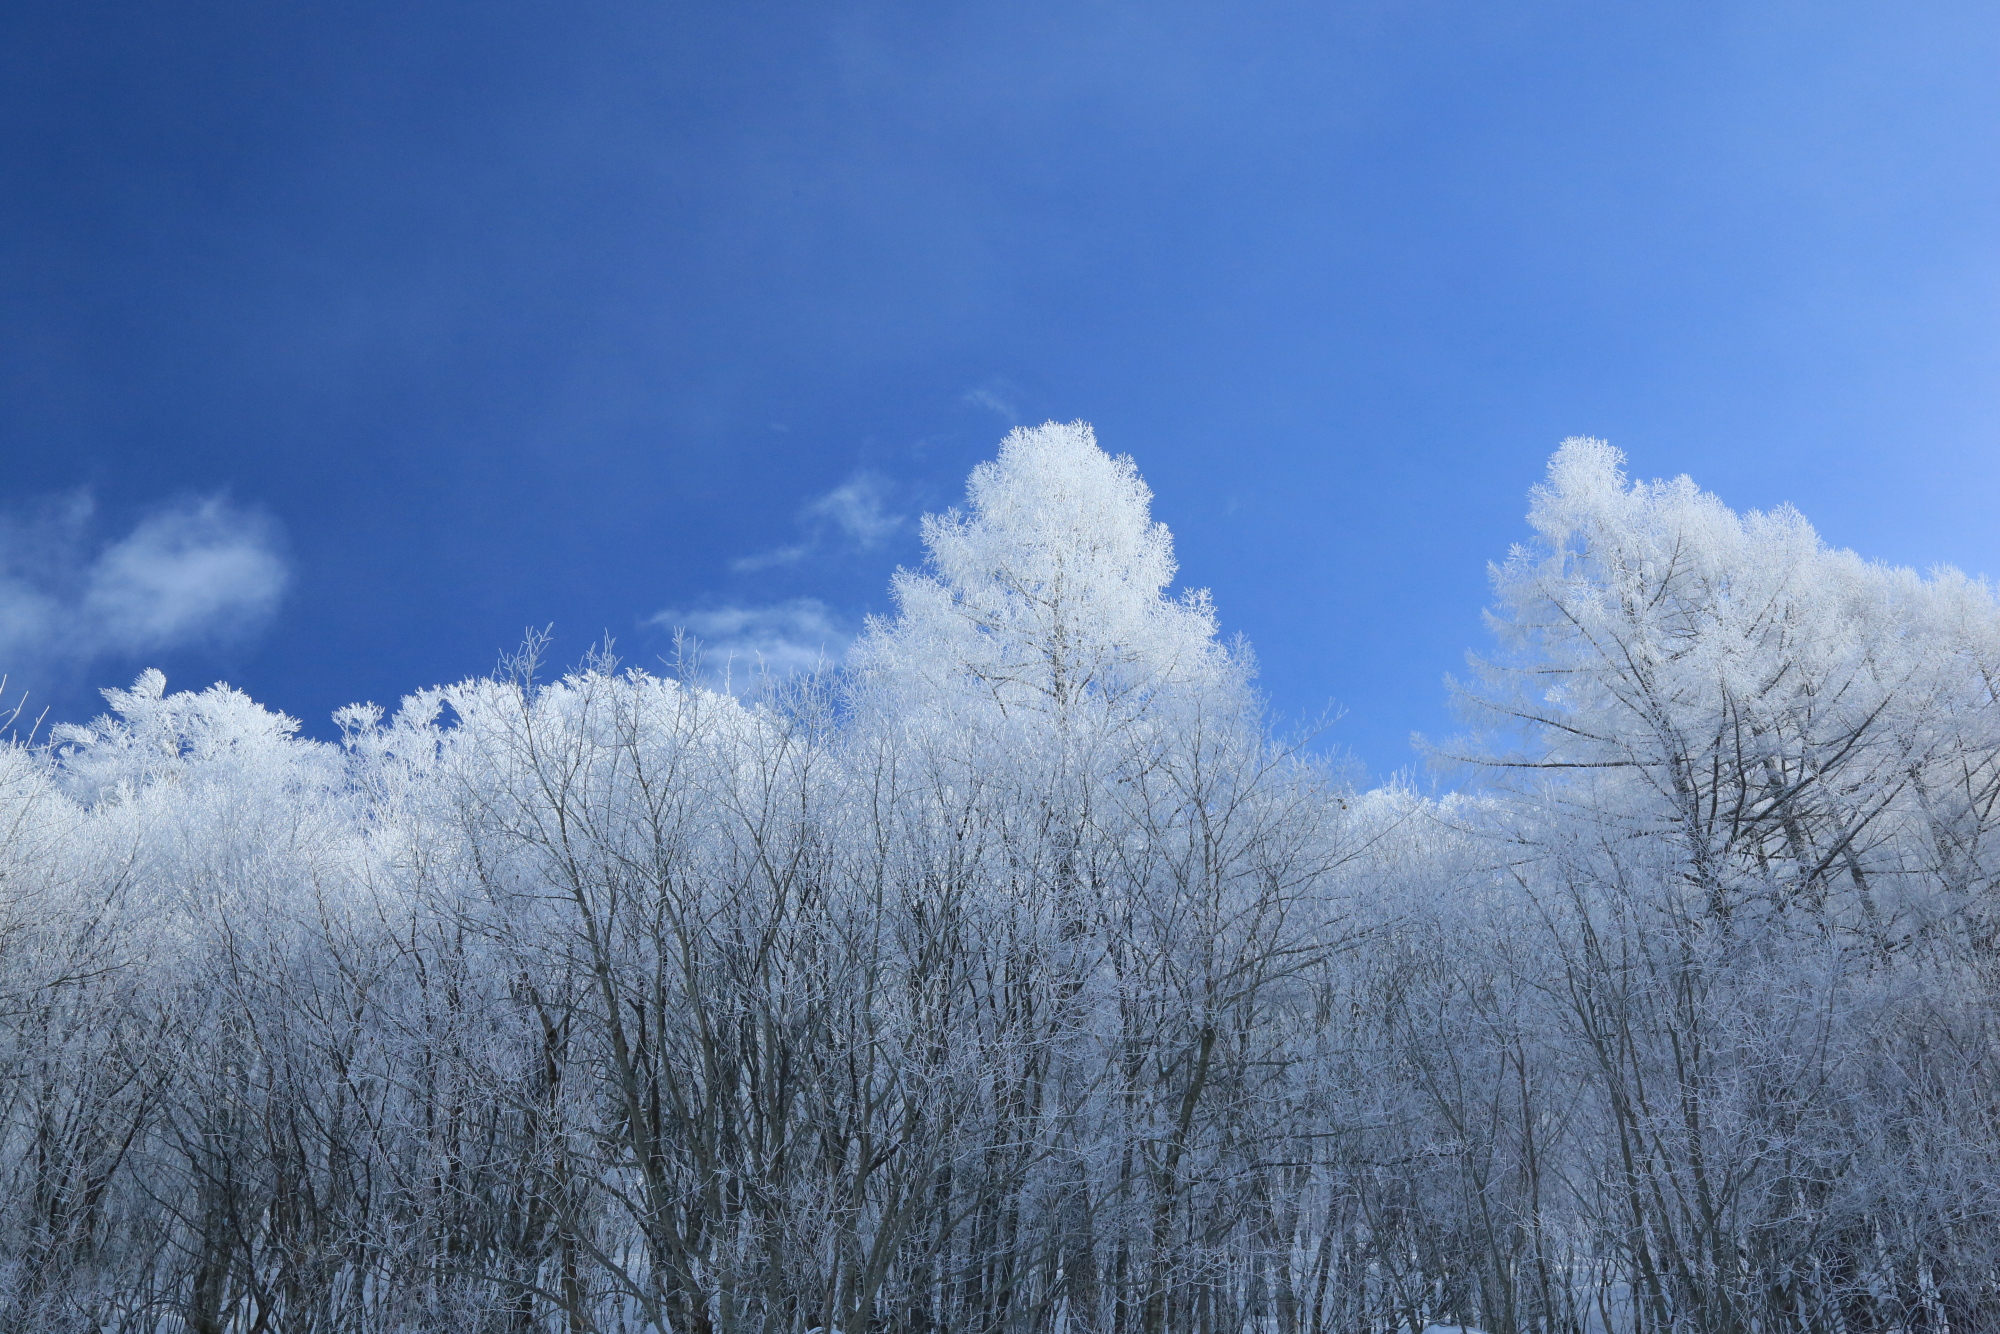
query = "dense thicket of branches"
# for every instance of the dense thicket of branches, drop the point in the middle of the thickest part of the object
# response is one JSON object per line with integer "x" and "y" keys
{"x": 1013, "y": 978}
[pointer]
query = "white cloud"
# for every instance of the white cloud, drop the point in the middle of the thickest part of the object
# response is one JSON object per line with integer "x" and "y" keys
{"x": 993, "y": 396}
{"x": 858, "y": 508}
{"x": 204, "y": 571}
{"x": 740, "y": 644}
{"x": 764, "y": 560}
{"x": 200, "y": 571}
{"x": 855, "y": 513}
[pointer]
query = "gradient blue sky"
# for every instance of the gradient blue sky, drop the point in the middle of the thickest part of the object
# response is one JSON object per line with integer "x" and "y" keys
{"x": 470, "y": 317}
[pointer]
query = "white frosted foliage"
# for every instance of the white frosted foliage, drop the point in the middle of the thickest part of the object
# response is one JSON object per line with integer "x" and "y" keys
{"x": 1016, "y": 978}
{"x": 1048, "y": 593}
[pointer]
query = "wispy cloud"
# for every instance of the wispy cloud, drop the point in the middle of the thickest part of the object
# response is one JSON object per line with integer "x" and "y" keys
{"x": 739, "y": 644}
{"x": 199, "y": 571}
{"x": 204, "y": 571}
{"x": 764, "y": 560}
{"x": 859, "y": 509}
{"x": 856, "y": 514}
{"x": 996, "y": 396}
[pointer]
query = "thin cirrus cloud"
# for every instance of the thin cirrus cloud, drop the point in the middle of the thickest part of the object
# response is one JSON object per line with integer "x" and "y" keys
{"x": 200, "y": 571}
{"x": 737, "y": 646}
{"x": 997, "y": 397}
{"x": 856, "y": 513}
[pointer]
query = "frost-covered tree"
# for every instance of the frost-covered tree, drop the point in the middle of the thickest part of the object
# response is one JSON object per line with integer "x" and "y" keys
{"x": 1048, "y": 594}
{"x": 1750, "y": 807}
{"x": 1800, "y": 722}
{"x": 1041, "y": 688}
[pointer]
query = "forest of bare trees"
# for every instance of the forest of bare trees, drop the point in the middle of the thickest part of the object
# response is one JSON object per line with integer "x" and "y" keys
{"x": 1016, "y": 975}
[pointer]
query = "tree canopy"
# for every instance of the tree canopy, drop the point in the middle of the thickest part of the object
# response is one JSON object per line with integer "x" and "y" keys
{"x": 1013, "y": 976}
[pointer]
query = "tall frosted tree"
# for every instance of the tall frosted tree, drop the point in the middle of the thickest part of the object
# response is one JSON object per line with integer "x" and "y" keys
{"x": 1782, "y": 710}
{"x": 1751, "y": 801}
{"x": 1047, "y": 594}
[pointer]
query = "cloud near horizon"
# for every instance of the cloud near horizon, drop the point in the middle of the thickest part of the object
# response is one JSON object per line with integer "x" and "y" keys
{"x": 739, "y": 645}
{"x": 196, "y": 571}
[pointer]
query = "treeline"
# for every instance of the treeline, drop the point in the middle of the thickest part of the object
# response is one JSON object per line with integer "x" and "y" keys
{"x": 1014, "y": 976}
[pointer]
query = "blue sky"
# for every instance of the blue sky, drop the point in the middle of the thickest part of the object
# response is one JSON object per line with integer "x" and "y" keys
{"x": 339, "y": 343}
